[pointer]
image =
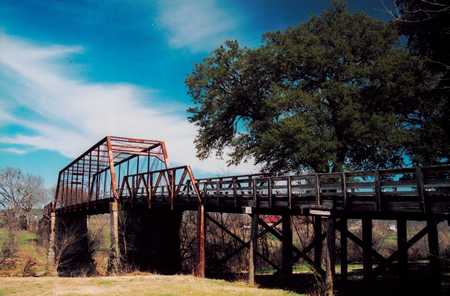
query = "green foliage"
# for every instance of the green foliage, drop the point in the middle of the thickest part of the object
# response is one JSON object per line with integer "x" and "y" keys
{"x": 335, "y": 91}
{"x": 426, "y": 24}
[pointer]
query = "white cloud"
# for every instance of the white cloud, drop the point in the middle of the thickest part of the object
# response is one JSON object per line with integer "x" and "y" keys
{"x": 14, "y": 150}
{"x": 76, "y": 113}
{"x": 198, "y": 25}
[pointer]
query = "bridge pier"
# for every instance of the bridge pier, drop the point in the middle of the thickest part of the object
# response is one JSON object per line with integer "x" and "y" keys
{"x": 148, "y": 239}
{"x": 51, "y": 256}
{"x": 69, "y": 250}
{"x": 114, "y": 264}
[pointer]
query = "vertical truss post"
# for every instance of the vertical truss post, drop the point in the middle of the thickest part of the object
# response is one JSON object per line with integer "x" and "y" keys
{"x": 343, "y": 257}
{"x": 111, "y": 169}
{"x": 286, "y": 264}
{"x": 317, "y": 225}
{"x": 253, "y": 248}
{"x": 330, "y": 258}
{"x": 367, "y": 247}
{"x": 402, "y": 248}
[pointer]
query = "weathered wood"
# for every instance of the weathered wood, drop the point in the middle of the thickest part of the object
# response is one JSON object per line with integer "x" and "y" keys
{"x": 317, "y": 225}
{"x": 299, "y": 254}
{"x": 402, "y": 248}
{"x": 286, "y": 259}
{"x": 253, "y": 248}
{"x": 420, "y": 190}
{"x": 433, "y": 245}
{"x": 367, "y": 247}
{"x": 243, "y": 243}
{"x": 388, "y": 261}
{"x": 330, "y": 260}
{"x": 201, "y": 241}
{"x": 343, "y": 256}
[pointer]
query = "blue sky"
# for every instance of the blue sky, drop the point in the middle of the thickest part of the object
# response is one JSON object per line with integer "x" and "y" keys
{"x": 72, "y": 72}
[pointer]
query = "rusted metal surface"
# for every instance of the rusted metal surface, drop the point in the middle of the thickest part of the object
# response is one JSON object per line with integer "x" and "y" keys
{"x": 95, "y": 174}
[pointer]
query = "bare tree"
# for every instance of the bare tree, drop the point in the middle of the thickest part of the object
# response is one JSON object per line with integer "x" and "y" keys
{"x": 19, "y": 193}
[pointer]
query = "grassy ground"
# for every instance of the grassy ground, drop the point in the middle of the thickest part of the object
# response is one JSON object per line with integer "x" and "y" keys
{"x": 148, "y": 285}
{"x": 27, "y": 252}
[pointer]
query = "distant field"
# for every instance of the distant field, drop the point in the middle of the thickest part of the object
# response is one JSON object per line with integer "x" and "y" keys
{"x": 148, "y": 285}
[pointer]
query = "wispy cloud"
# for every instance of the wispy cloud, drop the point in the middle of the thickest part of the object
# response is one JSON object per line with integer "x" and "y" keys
{"x": 14, "y": 150}
{"x": 73, "y": 113}
{"x": 198, "y": 25}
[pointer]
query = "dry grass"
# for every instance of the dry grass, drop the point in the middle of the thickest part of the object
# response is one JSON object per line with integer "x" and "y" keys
{"x": 149, "y": 285}
{"x": 27, "y": 250}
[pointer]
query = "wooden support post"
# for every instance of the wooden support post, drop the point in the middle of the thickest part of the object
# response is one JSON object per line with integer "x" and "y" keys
{"x": 367, "y": 247}
{"x": 433, "y": 244}
{"x": 330, "y": 259}
{"x": 286, "y": 264}
{"x": 344, "y": 263}
{"x": 201, "y": 241}
{"x": 317, "y": 224}
{"x": 252, "y": 253}
{"x": 402, "y": 247}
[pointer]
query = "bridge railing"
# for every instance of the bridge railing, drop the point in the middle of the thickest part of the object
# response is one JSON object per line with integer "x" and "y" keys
{"x": 377, "y": 187}
{"x": 413, "y": 188}
{"x": 166, "y": 186}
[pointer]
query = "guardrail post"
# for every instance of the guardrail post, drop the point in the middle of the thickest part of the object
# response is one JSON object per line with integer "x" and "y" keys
{"x": 289, "y": 191}
{"x": 420, "y": 190}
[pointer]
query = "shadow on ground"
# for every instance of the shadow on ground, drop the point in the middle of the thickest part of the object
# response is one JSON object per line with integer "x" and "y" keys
{"x": 419, "y": 282}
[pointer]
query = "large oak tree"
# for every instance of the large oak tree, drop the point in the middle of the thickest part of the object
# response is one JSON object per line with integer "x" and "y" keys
{"x": 337, "y": 91}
